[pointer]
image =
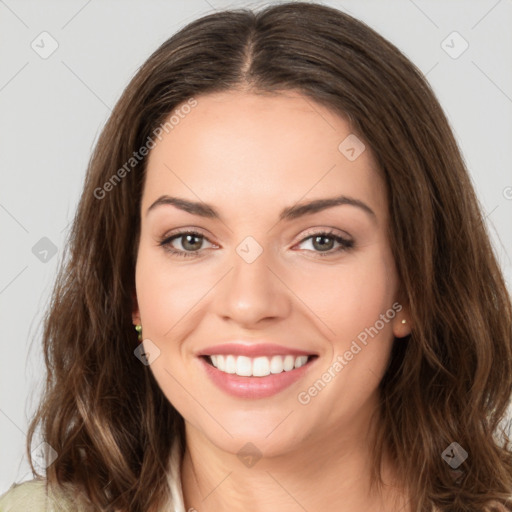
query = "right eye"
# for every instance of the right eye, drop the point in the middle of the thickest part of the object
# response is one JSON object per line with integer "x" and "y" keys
{"x": 191, "y": 242}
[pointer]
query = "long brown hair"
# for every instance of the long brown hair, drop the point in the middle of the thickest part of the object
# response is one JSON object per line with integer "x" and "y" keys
{"x": 450, "y": 381}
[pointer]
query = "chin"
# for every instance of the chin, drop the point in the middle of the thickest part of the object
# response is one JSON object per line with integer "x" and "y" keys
{"x": 269, "y": 435}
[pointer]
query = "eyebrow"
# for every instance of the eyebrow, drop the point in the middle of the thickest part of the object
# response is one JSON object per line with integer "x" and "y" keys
{"x": 292, "y": 212}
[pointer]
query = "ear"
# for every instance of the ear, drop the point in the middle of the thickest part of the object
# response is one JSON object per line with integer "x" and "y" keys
{"x": 402, "y": 323}
{"x": 135, "y": 309}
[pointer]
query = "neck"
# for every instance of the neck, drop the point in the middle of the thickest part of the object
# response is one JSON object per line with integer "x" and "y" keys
{"x": 320, "y": 475}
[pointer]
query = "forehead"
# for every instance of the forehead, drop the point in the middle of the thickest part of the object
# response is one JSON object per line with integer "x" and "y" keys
{"x": 256, "y": 149}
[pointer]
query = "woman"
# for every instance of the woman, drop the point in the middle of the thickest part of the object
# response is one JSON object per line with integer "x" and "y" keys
{"x": 278, "y": 206}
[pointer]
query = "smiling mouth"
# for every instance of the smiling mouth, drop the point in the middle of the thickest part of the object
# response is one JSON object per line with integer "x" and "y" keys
{"x": 262, "y": 366}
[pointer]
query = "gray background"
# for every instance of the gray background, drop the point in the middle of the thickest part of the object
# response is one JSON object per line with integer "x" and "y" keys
{"x": 52, "y": 110}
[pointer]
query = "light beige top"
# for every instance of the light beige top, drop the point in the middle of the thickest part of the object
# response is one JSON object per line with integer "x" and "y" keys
{"x": 32, "y": 495}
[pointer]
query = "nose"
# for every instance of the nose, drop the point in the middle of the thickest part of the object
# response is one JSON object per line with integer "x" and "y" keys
{"x": 252, "y": 292}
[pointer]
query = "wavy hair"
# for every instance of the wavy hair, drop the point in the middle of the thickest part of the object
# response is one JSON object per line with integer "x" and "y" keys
{"x": 450, "y": 380}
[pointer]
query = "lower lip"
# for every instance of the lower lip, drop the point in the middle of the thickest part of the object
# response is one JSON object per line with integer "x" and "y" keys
{"x": 254, "y": 387}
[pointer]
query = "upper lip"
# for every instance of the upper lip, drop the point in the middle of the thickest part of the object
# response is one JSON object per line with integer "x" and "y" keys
{"x": 252, "y": 349}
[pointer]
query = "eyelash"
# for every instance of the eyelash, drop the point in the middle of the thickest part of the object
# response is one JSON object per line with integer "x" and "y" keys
{"x": 345, "y": 244}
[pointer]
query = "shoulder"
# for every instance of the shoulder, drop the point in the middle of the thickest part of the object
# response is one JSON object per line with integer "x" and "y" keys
{"x": 34, "y": 496}
{"x": 30, "y": 495}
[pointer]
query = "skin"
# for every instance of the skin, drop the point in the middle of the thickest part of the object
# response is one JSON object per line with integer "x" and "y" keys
{"x": 250, "y": 156}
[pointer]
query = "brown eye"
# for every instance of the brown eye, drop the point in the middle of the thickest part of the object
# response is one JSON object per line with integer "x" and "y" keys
{"x": 190, "y": 241}
{"x": 324, "y": 242}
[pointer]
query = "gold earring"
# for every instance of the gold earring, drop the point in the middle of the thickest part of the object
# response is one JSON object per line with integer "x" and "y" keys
{"x": 138, "y": 328}
{"x": 404, "y": 321}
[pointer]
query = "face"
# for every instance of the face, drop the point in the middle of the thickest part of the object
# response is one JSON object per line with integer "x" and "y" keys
{"x": 271, "y": 322}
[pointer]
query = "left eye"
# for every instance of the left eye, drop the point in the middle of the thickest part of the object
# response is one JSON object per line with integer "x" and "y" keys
{"x": 192, "y": 241}
{"x": 324, "y": 241}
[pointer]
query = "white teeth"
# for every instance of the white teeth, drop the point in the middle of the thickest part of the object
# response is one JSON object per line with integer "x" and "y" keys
{"x": 243, "y": 366}
{"x": 289, "y": 362}
{"x": 301, "y": 361}
{"x": 230, "y": 364}
{"x": 276, "y": 364}
{"x": 221, "y": 363}
{"x": 261, "y": 367}
{"x": 258, "y": 366}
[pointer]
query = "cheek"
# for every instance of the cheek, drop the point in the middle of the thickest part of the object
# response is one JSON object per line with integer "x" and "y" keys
{"x": 165, "y": 293}
{"x": 351, "y": 296}
{"x": 368, "y": 293}
{"x": 152, "y": 294}
{"x": 165, "y": 298}
{"x": 363, "y": 322}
